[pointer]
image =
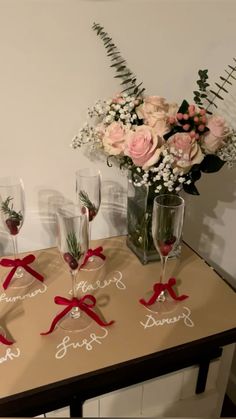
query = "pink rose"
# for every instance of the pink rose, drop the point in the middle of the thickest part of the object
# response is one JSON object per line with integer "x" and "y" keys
{"x": 214, "y": 139}
{"x": 114, "y": 138}
{"x": 143, "y": 146}
{"x": 185, "y": 150}
{"x": 155, "y": 112}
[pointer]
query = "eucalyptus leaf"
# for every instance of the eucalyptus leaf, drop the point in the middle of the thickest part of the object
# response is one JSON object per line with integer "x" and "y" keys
{"x": 211, "y": 164}
{"x": 190, "y": 189}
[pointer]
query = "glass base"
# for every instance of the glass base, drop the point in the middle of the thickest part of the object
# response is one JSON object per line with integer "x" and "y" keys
{"x": 75, "y": 321}
{"x": 21, "y": 279}
{"x": 164, "y": 304}
{"x": 93, "y": 264}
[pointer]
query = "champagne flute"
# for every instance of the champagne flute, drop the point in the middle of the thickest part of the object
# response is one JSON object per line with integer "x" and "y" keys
{"x": 12, "y": 209}
{"x": 72, "y": 229}
{"x": 88, "y": 192}
{"x": 167, "y": 226}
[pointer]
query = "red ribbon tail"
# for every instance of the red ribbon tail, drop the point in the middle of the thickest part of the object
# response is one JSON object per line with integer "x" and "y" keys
{"x": 158, "y": 288}
{"x": 5, "y": 341}
{"x": 176, "y": 297}
{"x": 34, "y": 273}
{"x": 168, "y": 287}
{"x": 94, "y": 316}
{"x": 9, "y": 278}
{"x": 98, "y": 252}
{"x": 56, "y": 320}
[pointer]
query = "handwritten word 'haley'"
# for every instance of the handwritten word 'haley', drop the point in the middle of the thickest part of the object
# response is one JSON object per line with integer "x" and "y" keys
{"x": 86, "y": 343}
{"x": 151, "y": 320}
{"x": 10, "y": 355}
{"x": 84, "y": 286}
{"x": 8, "y": 299}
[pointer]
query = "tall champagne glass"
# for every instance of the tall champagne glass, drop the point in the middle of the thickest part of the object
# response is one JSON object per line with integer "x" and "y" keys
{"x": 12, "y": 211}
{"x": 167, "y": 226}
{"x": 72, "y": 239}
{"x": 88, "y": 192}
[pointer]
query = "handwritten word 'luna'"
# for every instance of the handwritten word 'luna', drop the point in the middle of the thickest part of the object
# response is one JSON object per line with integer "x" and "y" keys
{"x": 84, "y": 286}
{"x": 86, "y": 343}
{"x": 151, "y": 320}
{"x": 10, "y": 355}
{"x": 7, "y": 299}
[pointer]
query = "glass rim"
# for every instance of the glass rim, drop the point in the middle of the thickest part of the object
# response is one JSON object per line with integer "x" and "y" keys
{"x": 59, "y": 211}
{"x": 181, "y": 203}
{"x": 15, "y": 181}
{"x": 96, "y": 173}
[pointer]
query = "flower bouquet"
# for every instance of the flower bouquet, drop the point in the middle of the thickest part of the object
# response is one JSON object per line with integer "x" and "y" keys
{"x": 164, "y": 146}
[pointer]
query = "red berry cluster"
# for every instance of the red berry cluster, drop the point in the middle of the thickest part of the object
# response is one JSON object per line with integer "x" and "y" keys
{"x": 92, "y": 212}
{"x": 192, "y": 121}
{"x": 72, "y": 262}
{"x": 13, "y": 224}
{"x": 166, "y": 246}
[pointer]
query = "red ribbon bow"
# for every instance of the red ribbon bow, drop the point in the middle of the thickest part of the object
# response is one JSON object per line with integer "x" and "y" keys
{"x": 93, "y": 252}
{"x": 85, "y": 303}
{"x": 158, "y": 288}
{"x": 16, "y": 263}
{"x": 5, "y": 341}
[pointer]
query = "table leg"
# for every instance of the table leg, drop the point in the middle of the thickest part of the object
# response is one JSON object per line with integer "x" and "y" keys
{"x": 76, "y": 407}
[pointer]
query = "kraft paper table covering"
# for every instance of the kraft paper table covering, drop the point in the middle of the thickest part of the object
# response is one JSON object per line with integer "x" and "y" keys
{"x": 211, "y": 301}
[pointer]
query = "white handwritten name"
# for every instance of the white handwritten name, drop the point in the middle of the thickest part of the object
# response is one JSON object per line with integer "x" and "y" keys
{"x": 7, "y": 299}
{"x": 86, "y": 343}
{"x": 151, "y": 320}
{"x": 10, "y": 355}
{"x": 84, "y": 286}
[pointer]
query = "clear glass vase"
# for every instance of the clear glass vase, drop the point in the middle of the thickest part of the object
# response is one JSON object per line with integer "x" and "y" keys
{"x": 139, "y": 221}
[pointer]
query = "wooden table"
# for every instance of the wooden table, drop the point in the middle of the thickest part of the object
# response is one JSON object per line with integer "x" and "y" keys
{"x": 43, "y": 373}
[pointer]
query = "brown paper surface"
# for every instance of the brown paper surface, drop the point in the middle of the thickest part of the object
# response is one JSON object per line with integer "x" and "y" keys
{"x": 36, "y": 360}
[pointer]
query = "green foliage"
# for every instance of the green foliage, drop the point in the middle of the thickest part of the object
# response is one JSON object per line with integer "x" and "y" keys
{"x": 210, "y": 96}
{"x": 200, "y": 95}
{"x": 210, "y": 164}
{"x": 7, "y": 208}
{"x": 127, "y": 78}
{"x": 73, "y": 245}
{"x": 84, "y": 199}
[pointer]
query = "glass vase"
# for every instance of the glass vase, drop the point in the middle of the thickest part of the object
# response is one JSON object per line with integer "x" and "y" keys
{"x": 139, "y": 221}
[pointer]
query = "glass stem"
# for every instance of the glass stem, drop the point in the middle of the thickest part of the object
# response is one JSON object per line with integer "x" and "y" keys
{"x": 163, "y": 268}
{"x": 15, "y": 246}
{"x": 73, "y": 279}
{"x": 91, "y": 259}
{"x": 74, "y": 310}
{"x": 90, "y": 232}
{"x": 19, "y": 271}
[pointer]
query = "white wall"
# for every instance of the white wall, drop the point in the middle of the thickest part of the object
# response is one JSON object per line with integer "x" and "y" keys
{"x": 53, "y": 67}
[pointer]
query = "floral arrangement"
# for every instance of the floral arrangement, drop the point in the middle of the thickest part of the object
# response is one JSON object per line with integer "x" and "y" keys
{"x": 168, "y": 145}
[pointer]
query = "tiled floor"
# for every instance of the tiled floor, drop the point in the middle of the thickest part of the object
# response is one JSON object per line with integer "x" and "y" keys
{"x": 228, "y": 411}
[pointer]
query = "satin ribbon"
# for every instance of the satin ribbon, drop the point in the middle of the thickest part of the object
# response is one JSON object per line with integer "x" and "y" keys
{"x": 158, "y": 288}
{"x": 85, "y": 304}
{"x": 93, "y": 252}
{"x": 5, "y": 341}
{"x": 16, "y": 263}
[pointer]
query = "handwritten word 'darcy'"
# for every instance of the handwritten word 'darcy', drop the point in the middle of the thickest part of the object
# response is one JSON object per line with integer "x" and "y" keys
{"x": 86, "y": 343}
{"x": 8, "y": 299}
{"x": 151, "y": 320}
{"x": 10, "y": 355}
